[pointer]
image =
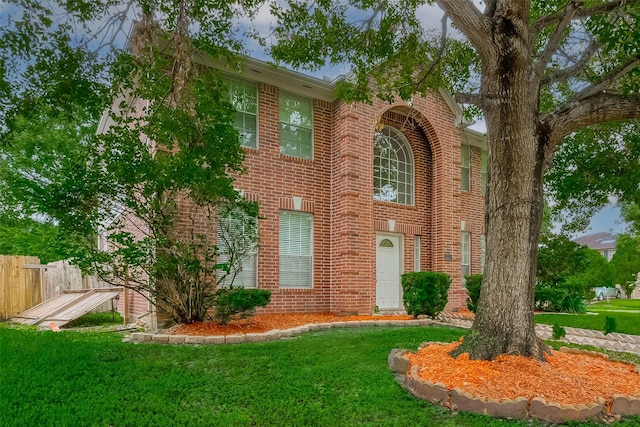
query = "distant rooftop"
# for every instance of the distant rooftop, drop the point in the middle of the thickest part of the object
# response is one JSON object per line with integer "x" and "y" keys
{"x": 598, "y": 240}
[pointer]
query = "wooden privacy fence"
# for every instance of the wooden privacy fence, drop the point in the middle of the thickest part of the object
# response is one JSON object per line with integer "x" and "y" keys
{"x": 24, "y": 282}
{"x": 20, "y": 288}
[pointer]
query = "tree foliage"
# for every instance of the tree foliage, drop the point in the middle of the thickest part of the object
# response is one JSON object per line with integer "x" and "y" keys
{"x": 567, "y": 274}
{"x": 592, "y": 166}
{"x": 631, "y": 214}
{"x": 626, "y": 262}
{"x": 151, "y": 183}
{"x": 28, "y": 237}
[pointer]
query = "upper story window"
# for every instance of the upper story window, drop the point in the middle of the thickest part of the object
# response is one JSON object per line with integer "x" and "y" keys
{"x": 465, "y": 167}
{"x": 243, "y": 95}
{"x": 483, "y": 172}
{"x": 393, "y": 167}
{"x": 296, "y": 126}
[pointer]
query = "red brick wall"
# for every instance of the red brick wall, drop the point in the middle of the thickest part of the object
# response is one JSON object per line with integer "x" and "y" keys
{"x": 352, "y": 236}
{"x": 336, "y": 186}
{"x": 274, "y": 179}
{"x": 436, "y": 215}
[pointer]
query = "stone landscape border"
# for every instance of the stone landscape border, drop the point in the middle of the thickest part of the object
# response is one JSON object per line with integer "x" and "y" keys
{"x": 273, "y": 335}
{"x": 613, "y": 341}
{"x": 519, "y": 408}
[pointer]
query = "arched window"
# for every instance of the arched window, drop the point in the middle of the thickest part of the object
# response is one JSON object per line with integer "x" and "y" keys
{"x": 393, "y": 167}
{"x": 386, "y": 243}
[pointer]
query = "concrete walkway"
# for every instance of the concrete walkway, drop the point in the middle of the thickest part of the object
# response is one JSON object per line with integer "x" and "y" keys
{"x": 613, "y": 341}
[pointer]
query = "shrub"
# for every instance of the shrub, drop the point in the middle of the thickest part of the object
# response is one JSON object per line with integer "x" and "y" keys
{"x": 558, "y": 332}
{"x": 238, "y": 303}
{"x": 425, "y": 292}
{"x": 560, "y": 297}
{"x": 609, "y": 325}
{"x": 474, "y": 282}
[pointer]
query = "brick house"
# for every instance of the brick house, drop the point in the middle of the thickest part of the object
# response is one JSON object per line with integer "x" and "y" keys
{"x": 353, "y": 195}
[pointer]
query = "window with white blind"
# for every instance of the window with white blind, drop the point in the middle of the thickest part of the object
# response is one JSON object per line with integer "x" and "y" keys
{"x": 416, "y": 253}
{"x": 243, "y": 95}
{"x": 237, "y": 248}
{"x": 296, "y": 249}
{"x": 296, "y": 126}
{"x": 483, "y": 251}
{"x": 465, "y": 255}
{"x": 465, "y": 167}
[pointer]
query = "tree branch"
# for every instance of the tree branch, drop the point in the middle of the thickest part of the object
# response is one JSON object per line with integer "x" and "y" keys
{"x": 574, "y": 70}
{"x": 468, "y": 19}
{"x": 555, "y": 39}
{"x": 598, "y": 108}
{"x": 547, "y": 20}
{"x": 609, "y": 78}
{"x": 603, "y": 8}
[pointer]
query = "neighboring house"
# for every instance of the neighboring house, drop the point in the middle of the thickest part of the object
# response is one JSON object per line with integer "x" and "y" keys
{"x": 605, "y": 243}
{"x": 354, "y": 195}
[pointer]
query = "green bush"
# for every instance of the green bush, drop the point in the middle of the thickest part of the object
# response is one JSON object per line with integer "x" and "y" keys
{"x": 558, "y": 332}
{"x": 425, "y": 292}
{"x": 238, "y": 303}
{"x": 560, "y": 297}
{"x": 474, "y": 282}
{"x": 609, "y": 325}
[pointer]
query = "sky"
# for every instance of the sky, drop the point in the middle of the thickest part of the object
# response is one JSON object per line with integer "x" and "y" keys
{"x": 607, "y": 219}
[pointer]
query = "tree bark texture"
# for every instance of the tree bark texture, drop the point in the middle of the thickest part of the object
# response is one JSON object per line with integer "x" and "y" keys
{"x": 504, "y": 321}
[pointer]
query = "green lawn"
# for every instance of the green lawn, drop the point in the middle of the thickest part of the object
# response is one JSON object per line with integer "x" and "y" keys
{"x": 329, "y": 378}
{"x": 615, "y": 305}
{"x": 625, "y": 311}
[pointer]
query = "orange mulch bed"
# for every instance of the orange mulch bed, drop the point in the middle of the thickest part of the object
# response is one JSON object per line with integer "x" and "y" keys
{"x": 566, "y": 378}
{"x": 267, "y": 322}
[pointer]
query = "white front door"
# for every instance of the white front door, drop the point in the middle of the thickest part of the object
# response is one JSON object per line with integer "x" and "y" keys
{"x": 388, "y": 272}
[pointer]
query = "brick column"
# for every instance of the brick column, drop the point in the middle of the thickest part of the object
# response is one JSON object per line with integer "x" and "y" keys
{"x": 352, "y": 235}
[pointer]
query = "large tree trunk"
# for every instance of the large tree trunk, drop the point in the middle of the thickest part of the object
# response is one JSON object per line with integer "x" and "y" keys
{"x": 504, "y": 319}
